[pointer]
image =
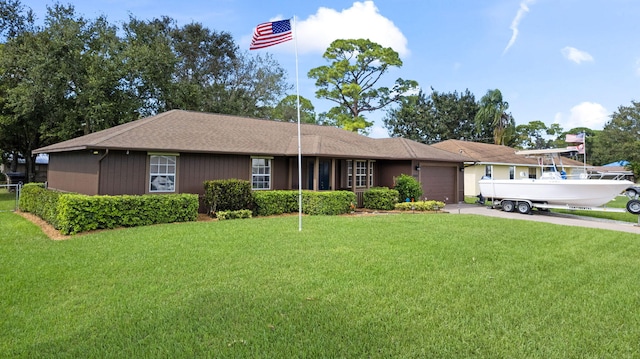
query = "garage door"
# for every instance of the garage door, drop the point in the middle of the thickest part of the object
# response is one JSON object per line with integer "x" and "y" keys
{"x": 439, "y": 183}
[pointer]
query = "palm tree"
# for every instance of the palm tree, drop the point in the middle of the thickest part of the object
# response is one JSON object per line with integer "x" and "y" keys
{"x": 492, "y": 113}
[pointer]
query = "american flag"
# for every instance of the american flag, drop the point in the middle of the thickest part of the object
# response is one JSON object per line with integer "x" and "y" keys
{"x": 579, "y": 138}
{"x": 271, "y": 33}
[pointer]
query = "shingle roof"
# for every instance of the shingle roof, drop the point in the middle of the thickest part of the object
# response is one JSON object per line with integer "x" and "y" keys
{"x": 188, "y": 131}
{"x": 489, "y": 153}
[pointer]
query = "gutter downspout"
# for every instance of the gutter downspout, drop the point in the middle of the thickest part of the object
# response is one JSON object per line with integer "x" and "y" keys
{"x": 106, "y": 152}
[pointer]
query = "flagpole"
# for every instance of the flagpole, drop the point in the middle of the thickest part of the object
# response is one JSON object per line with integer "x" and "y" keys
{"x": 295, "y": 40}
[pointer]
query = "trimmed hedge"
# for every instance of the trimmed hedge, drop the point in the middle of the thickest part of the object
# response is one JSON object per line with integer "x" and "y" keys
{"x": 36, "y": 199}
{"x": 381, "y": 198}
{"x": 420, "y": 206}
{"x": 327, "y": 203}
{"x": 228, "y": 195}
{"x": 270, "y": 203}
{"x": 73, "y": 213}
{"x": 79, "y": 213}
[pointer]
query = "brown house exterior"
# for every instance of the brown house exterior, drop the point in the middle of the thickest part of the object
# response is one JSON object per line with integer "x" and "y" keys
{"x": 176, "y": 151}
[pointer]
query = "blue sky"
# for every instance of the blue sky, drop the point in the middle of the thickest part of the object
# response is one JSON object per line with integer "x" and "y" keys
{"x": 572, "y": 62}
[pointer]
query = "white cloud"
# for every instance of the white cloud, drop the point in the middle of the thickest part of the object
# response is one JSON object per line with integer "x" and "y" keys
{"x": 575, "y": 55}
{"x": 524, "y": 8}
{"x": 586, "y": 114}
{"x": 361, "y": 20}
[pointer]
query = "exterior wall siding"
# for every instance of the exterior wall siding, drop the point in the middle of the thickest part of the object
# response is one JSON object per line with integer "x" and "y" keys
{"x": 280, "y": 173}
{"x": 195, "y": 168}
{"x": 389, "y": 170}
{"x": 74, "y": 171}
{"x": 122, "y": 173}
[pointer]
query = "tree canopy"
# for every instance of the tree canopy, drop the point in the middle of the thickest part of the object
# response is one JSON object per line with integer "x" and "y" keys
{"x": 438, "y": 117}
{"x": 493, "y": 113}
{"x": 73, "y": 76}
{"x": 287, "y": 110}
{"x": 620, "y": 138}
{"x": 357, "y": 65}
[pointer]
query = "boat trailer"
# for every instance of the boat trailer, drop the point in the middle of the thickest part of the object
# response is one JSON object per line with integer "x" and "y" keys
{"x": 525, "y": 206}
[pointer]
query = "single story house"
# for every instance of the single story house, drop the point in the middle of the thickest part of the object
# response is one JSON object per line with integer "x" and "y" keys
{"x": 176, "y": 151}
{"x": 499, "y": 162}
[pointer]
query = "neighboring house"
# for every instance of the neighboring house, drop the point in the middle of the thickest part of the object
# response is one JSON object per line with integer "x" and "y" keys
{"x": 20, "y": 172}
{"x": 176, "y": 151}
{"x": 499, "y": 162}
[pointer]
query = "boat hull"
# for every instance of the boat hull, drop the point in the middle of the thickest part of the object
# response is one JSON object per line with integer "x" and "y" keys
{"x": 579, "y": 192}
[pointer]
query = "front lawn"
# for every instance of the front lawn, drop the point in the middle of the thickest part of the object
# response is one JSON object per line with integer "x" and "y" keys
{"x": 7, "y": 200}
{"x": 387, "y": 286}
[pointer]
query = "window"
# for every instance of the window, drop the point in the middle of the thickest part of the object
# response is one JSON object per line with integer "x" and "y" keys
{"x": 532, "y": 172}
{"x": 260, "y": 173}
{"x": 162, "y": 173}
{"x": 361, "y": 173}
{"x": 512, "y": 172}
{"x": 488, "y": 171}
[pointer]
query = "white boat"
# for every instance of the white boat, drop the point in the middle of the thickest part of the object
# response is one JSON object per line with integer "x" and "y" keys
{"x": 554, "y": 187}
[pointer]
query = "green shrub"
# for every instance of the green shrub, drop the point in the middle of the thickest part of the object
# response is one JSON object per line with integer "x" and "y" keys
{"x": 327, "y": 203}
{"x": 420, "y": 206}
{"x": 240, "y": 214}
{"x": 228, "y": 195}
{"x": 408, "y": 187}
{"x": 380, "y": 198}
{"x": 269, "y": 203}
{"x": 35, "y": 199}
{"x": 79, "y": 213}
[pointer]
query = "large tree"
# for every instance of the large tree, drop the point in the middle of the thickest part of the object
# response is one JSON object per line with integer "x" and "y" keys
{"x": 438, "y": 117}
{"x": 620, "y": 138}
{"x": 150, "y": 63}
{"x": 62, "y": 81}
{"x": 350, "y": 81}
{"x": 73, "y": 76}
{"x": 536, "y": 135}
{"x": 287, "y": 110}
{"x": 493, "y": 113}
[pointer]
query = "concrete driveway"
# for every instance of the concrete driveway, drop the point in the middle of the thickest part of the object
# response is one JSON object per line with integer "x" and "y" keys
{"x": 547, "y": 217}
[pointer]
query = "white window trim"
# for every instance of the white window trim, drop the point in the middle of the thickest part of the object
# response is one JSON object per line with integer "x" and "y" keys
{"x": 365, "y": 177}
{"x": 157, "y": 176}
{"x": 269, "y": 176}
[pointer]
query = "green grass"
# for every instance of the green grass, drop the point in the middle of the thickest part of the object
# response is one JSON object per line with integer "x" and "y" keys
{"x": 388, "y": 286}
{"x": 7, "y": 200}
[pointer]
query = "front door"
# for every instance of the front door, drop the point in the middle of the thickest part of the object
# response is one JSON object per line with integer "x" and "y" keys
{"x": 324, "y": 174}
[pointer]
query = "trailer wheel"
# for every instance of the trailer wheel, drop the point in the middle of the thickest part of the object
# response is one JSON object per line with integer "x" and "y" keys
{"x": 633, "y": 206}
{"x": 632, "y": 192}
{"x": 508, "y": 206}
{"x": 524, "y": 207}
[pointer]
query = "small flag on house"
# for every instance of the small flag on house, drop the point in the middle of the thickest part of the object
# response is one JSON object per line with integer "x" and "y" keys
{"x": 579, "y": 138}
{"x": 271, "y": 33}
